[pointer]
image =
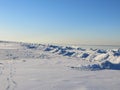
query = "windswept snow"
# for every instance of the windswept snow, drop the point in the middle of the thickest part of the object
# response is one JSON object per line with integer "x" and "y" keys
{"x": 26, "y": 66}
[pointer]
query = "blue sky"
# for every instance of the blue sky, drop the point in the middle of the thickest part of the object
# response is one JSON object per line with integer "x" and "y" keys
{"x": 61, "y": 21}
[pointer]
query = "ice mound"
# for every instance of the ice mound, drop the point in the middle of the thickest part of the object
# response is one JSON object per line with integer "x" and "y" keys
{"x": 84, "y": 55}
{"x": 101, "y": 57}
{"x": 99, "y": 66}
{"x": 98, "y": 59}
{"x": 92, "y": 55}
{"x": 117, "y": 52}
{"x": 101, "y": 51}
{"x": 29, "y": 46}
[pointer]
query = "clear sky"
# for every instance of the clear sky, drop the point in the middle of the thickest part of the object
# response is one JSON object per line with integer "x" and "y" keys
{"x": 61, "y": 21}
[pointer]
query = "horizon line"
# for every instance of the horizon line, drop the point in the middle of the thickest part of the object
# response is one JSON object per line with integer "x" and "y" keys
{"x": 12, "y": 41}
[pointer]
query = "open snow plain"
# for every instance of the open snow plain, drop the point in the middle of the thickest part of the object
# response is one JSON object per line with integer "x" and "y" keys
{"x": 25, "y": 66}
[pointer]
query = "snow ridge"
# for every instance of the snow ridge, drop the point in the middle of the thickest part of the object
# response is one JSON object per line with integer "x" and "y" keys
{"x": 97, "y": 58}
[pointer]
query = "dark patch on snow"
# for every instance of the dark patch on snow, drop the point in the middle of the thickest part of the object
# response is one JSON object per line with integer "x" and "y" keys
{"x": 30, "y": 46}
{"x": 48, "y": 49}
{"x": 85, "y": 55}
{"x": 81, "y": 49}
{"x": 109, "y": 65}
{"x": 53, "y": 46}
{"x": 68, "y": 48}
{"x": 69, "y": 54}
{"x": 62, "y": 51}
{"x": 101, "y": 51}
{"x": 93, "y": 49}
{"x": 117, "y": 53}
{"x": 55, "y": 51}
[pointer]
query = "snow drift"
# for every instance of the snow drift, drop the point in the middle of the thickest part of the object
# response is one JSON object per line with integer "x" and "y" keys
{"x": 98, "y": 59}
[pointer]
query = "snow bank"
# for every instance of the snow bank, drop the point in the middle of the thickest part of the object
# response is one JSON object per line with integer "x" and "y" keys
{"x": 102, "y": 59}
{"x": 87, "y": 54}
{"x": 99, "y": 66}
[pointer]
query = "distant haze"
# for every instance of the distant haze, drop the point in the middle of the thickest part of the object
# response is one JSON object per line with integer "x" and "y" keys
{"x": 93, "y": 22}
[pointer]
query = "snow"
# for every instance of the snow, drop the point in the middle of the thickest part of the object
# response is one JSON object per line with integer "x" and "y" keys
{"x": 27, "y": 66}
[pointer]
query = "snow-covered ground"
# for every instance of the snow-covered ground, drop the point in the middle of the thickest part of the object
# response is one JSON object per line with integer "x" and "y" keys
{"x": 26, "y": 66}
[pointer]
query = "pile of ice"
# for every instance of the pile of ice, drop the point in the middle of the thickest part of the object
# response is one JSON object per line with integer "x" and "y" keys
{"x": 99, "y": 66}
{"x": 99, "y": 55}
{"x": 98, "y": 58}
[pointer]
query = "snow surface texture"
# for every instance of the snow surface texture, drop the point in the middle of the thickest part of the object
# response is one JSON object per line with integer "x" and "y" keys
{"x": 26, "y": 66}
